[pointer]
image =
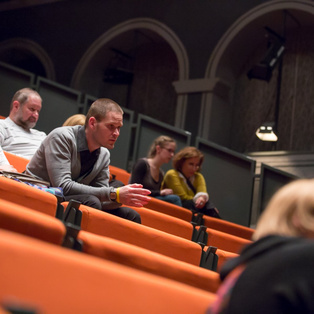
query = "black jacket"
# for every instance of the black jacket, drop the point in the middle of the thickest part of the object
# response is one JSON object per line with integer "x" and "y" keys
{"x": 276, "y": 276}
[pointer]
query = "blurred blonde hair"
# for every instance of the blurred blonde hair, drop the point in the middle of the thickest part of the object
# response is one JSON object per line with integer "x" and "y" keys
{"x": 290, "y": 212}
{"x": 76, "y": 119}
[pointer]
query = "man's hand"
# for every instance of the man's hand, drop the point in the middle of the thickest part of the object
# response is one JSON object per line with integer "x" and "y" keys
{"x": 134, "y": 195}
{"x": 8, "y": 168}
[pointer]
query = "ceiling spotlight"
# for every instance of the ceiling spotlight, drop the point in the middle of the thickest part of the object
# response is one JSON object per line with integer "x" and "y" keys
{"x": 266, "y": 132}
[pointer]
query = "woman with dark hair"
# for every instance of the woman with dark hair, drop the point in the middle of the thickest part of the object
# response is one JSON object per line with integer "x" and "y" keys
{"x": 188, "y": 183}
{"x": 148, "y": 172}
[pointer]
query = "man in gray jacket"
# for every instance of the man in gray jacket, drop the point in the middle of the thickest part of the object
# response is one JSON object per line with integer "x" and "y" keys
{"x": 76, "y": 158}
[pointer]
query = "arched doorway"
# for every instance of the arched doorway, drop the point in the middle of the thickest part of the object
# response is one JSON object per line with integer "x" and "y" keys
{"x": 27, "y": 55}
{"x": 244, "y": 103}
{"x": 135, "y": 63}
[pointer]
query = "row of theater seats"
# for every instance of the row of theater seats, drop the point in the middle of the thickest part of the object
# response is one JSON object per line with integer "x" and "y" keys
{"x": 126, "y": 266}
{"x": 185, "y": 214}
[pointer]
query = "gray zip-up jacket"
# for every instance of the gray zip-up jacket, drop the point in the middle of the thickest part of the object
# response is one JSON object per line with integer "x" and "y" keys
{"x": 58, "y": 161}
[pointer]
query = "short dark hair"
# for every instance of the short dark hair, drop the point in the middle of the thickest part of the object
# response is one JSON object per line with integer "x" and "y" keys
{"x": 100, "y": 107}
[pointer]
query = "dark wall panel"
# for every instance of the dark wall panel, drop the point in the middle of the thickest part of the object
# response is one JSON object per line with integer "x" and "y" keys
{"x": 230, "y": 180}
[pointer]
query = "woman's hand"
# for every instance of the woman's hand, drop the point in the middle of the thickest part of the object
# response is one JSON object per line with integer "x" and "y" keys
{"x": 166, "y": 192}
{"x": 200, "y": 202}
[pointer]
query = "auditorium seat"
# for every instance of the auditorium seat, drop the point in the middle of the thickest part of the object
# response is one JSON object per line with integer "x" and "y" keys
{"x": 105, "y": 224}
{"x": 228, "y": 227}
{"x": 28, "y": 196}
{"x": 224, "y": 256}
{"x": 21, "y": 219}
{"x": 19, "y": 163}
{"x": 225, "y": 241}
{"x": 95, "y": 221}
{"x": 165, "y": 222}
{"x": 120, "y": 174}
{"x": 216, "y": 238}
{"x": 169, "y": 209}
{"x": 44, "y": 278}
{"x": 34, "y": 224}
{"x": 210, "y": 222}
{"x": 148, "y": 261}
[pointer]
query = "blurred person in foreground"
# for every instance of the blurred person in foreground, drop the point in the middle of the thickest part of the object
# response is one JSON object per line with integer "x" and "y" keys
{"x": 274, "y": 274}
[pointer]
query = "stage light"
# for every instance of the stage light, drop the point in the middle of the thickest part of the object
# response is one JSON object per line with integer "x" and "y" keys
{"x": 266, "y": 132}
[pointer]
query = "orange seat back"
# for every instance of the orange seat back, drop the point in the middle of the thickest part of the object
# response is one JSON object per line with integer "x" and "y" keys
{"x": 28, "y": 196}
{"x": 26, "y": 221}
{"x": 225, "y": 241}
{"x": 228, "y": 227}
{"x": 52, "y": 279}
{"x": 105, "y": 224}
{"x": 121, "y": 175}
{"x": 165, "y": 223}
{"x": 19, "y": 163}
{"x": 169, "y": 209}
{"x": 223, "y": 257}
{"x": 143, "y": 259}
{"x": 34, "y": 224}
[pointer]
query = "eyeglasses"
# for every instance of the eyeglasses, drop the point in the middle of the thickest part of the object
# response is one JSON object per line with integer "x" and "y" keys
{"x": 171, "y": 151}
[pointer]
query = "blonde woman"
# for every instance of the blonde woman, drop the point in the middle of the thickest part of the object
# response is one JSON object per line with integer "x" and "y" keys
{"x": 76, "y": 119}
{"x": 275, "y": 274}
{"x": 148, "y": 171}
{"x": 188, "y": 183}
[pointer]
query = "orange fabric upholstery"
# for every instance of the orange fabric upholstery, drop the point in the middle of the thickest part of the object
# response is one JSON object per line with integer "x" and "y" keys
{"x": 228, "y": 227}
{"x": 225, "y": 241}
{"x": 121, "y": 175}
{"x": 139, "y": 258}
{"x": 169, "y": 209}
{"x": 165, "y": 223}
{"x": 19, "y": 163}
{"x": 28, "y": 196}
{"x": 37, "y": 225}
{"x": 224, "y": 256}
{"x": 52, "y": 279}
{"x": 105, "y": 224}
{"x": 26, "y": 221}
{"x": 210, "y": 222}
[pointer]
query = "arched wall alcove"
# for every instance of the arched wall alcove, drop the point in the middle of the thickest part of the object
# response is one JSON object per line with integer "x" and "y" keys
{"x": 28, "y": 55}
{"x": 226, "y": 72}
{"x": 149, "y": 30}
